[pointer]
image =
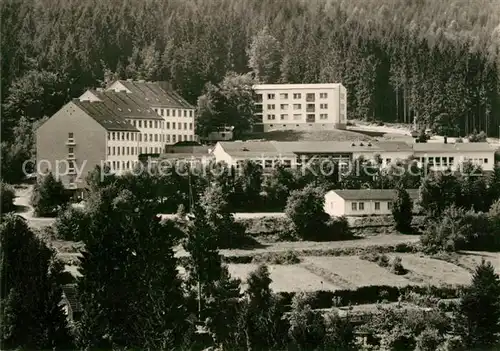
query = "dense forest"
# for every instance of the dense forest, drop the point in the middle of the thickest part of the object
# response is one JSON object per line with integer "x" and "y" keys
{"x": 399, "y": 59}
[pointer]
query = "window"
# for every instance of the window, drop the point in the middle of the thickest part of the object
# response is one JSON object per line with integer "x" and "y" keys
{"x": 268, "y": 163}
{"x": 185, "y": 113}
{"x": 118, "y": 150}
{"x": 297, "y": 106}
{"x": 70, "y": 135}
{"x": 284, "y": 106}
{"x": 109, "y": 150}
{"x": 283, "y": 117}
{"x": 127, "y": 136}
{"x": 109, "y": 136}
{"x": 140, "y": 124}
{"x": 71, "y": 150}
{"x": 310, "y": 108}
{"x": 485, "y": 160}
{"x": 323, "y": 106}
{"x": 297, "y": 116}
{"x": 168, "y": 112}
{"x": 156, "y": 124}
{"x": 156, "y": 137}
{"x": 190, "y": 138}
{"x": 179, "y": 125}
{"x": 311, "y": 118}
{"x": 150, "y": 124}
{"x": 128, "y": 150}
{"x": 297, "y": 95}
{"x": 389, "y": 205}
{"x": 113, "y": 150}
{"x": 185, "y": 126}
{"x": 271, "y": 117}
{"x": 168, "y": 138}
{"x": 190, "y": 126}
{"x": 271, "y": 96}
{"x": 123, "y": 150}
{"x": 140, "y": 137}
{"x": 270, "y": 107}
{"x": 361, "y": 206}
{"x": 323, "y": 116}
{"x": 113, "y": 135}
{"x": 258, "y": 98}
{"x": 284, "y": 96}
{"x": 145, "y": 137}
{"x": 173, "y": 125}
{"x": 151, "y": 137}
{"x": 323, "y": 95}
{"x": 173, "y": 113}
{"x": 377, "y": 206}
{"x": 354, "y": 206}
{"x": 180, "y": 113}
{"x": 310, "y": 97}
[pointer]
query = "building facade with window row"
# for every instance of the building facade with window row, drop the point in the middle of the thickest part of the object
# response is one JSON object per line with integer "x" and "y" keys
{"x": 295, "y": 154}
{"x": 79, "y": 137}
{"x": 364, "y": 202}
{"x": 300, "y": 106}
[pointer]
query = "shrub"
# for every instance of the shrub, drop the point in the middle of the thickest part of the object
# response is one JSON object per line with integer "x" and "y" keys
{"x": 381, "y": 259}
{"x": 7, "y": 195}
{"x": 305, "y": 210}
{"x": 288, "y": 257}
{"x": 396, "y": 266}
{"x": 49, "y": 196}
{"x": 70, "y": 224}
{"x": 429, "y": 340}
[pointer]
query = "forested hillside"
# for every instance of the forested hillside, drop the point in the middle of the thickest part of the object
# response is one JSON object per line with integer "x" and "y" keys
{"x": 397, "y": 58}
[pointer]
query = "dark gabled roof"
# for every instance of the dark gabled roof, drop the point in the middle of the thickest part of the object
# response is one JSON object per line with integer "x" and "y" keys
{"x": 71, "y": 294}
{"x": 455, "y": 147}
{"x": 126, "y": 105}
{"x": 156, "y": 94}
{"x": 372, "y": 194}
{"x": 105, "y": 116}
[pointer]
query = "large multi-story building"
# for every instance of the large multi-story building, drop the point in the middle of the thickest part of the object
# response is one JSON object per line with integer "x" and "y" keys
{"x": 178, "y": 114}
{"x": 300, "y": 106}
{"x": 82, "y": 135}
{"x": 112, "y": 126}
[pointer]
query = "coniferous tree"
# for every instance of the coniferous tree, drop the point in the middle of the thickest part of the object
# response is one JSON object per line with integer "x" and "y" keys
{"x": 478, "y": 319}
{"x": 32, "y": 279}
{"x": 402, "y": 209}
{"x": 128, "y": 269}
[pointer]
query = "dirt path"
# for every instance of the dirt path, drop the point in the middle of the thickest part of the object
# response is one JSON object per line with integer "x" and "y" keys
{"x": 25, "y": 210}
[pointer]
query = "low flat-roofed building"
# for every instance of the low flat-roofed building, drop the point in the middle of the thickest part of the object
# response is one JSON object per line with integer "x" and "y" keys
{"x": 363, "y": 202}
{"x": 441, "y": 156}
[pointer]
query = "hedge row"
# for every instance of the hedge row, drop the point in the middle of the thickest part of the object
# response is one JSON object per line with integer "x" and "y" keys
{"x": 369, "y": 294}
{"x": 380, "y": 221}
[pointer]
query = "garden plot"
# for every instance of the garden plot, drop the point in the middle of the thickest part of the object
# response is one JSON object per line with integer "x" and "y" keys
{"x": 432, "y": 271}
{"x": 285, "y": 277}
{"x": 471, "y": 259}
{"x": 352, "y": 272}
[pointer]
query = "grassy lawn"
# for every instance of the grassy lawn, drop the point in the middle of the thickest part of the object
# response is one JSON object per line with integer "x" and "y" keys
{"x": 354, "y": 271}
{"x": 432, "y": 271}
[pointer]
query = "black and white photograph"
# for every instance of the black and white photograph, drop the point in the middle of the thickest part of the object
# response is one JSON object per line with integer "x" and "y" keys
{"x": 250, "y": 175}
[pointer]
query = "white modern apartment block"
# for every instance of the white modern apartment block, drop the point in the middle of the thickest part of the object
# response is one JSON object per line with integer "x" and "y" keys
{"x": 301, "y": 106}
